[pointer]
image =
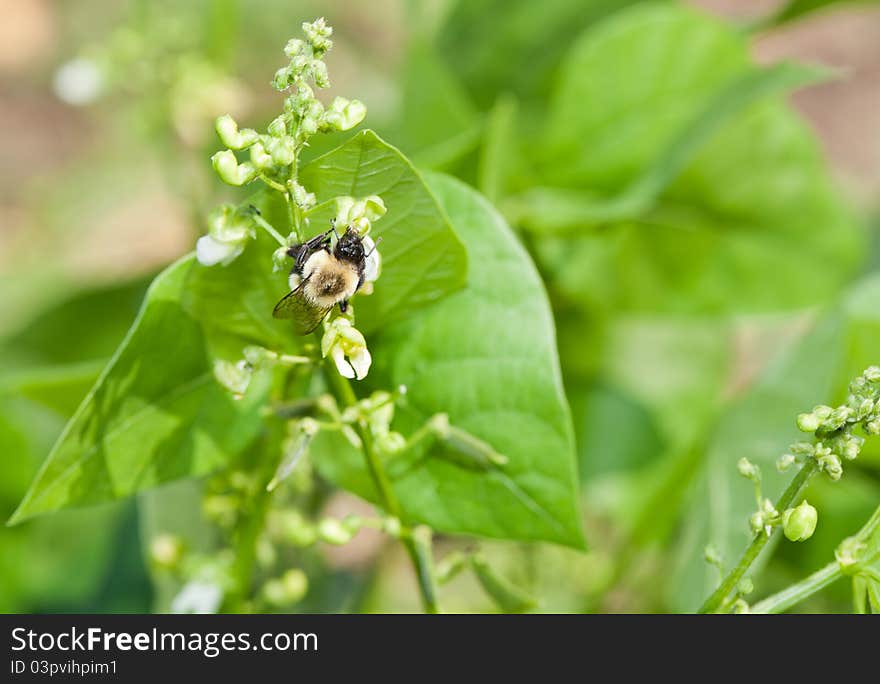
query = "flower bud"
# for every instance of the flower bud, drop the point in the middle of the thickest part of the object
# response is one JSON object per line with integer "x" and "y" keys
{"x": 872, "y": 374}
{"x": 343, "y": 114}
{"x": 233, "y": 376}
{"x": 785, "y": 462}
{"x": 261, "y": 159}
{"x": 808, "y": 422}
{"x": 335, "y": 532}
{"x": 282, "y": 78}
{"x": 848, "y": 554}
{"x": 166, "y": 551}
{"x": 277, "y": 128}
{"x": 234, "y": 139}
{"x": 290, "y": 588}
{"x": 282, "y": 150}
{"x": 799, "y": 523}
{"x": 230, "y": 171}
{"x": 294, "y": 47}
{"x": 748, "y": 469}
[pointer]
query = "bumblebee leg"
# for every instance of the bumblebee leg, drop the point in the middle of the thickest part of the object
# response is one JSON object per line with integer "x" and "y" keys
{"x": 343, "y": 305}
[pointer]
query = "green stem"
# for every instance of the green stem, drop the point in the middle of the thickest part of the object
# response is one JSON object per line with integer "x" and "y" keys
{"x": 265, "y": 225}
{"x": 796, "y": 593}
{"x": 716, "y": 599}
{"x": 418, "y": 549}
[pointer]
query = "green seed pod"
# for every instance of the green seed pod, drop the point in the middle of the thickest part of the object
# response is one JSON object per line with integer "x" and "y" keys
{"x": 799, "y": 523}
{"x": 234, "y": 139}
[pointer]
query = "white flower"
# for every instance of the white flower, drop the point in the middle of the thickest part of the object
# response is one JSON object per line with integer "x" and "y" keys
{"x": 210, "y": 251}
{"x": 373, "y": 265}
{"x": 78, "y": 82}
{"x": 345, "y": 344}
{"x": 198, "y": 596}
{"x": 228, "y": 232}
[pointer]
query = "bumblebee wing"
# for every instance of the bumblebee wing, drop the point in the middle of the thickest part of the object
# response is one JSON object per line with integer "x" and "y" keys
{"x": 306, "y": 316}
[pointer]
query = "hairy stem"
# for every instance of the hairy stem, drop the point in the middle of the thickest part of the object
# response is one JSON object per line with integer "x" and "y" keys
{"x": 717, "y": 598}
{"x": 418, "y": 549}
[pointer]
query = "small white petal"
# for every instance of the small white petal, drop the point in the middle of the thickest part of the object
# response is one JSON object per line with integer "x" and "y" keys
{"x": 78, "y": 82}
{"x": 343, "y": 366}
{"x": 210, "y": 252}
{"x": 361, "y": 361}
{"x": 373, "y": 264}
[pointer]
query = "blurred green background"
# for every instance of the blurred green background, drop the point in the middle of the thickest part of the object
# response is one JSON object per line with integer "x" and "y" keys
{"x": 701, "y": 300}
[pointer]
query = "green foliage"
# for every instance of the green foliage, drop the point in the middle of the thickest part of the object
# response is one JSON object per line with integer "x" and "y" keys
{"x": 712, "y": 241}
{"x": 486, "y": 356}
{"x": 155, "y": 413}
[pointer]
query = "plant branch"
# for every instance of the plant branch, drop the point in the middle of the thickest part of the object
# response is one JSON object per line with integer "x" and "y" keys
{"x": 796, "y": 593}
{"x": 717, "y": 598}
{"x": 418, "y": 549}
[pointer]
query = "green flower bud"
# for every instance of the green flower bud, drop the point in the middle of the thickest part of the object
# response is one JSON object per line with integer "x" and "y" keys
{"x": 283, "y": 150}
{"x": 277, "y": 128}
{"x": 822, "y": 412}
{"x": 290, "y": 588}
{"x": 234, "y": 139}
{"x": 748, "y": 469}
{"x": 166, "y": 551}
{"x": 808, "y": 422}
{"x": 872, "y": 427}
{"x": 230, "y": 171}
{"x": 294, "y": 47}
{"x": 261, "y": 159}
{"x": 837, "y": 419}
{"x": 333, "y": 531}
{"x": 293, "y": 528}
{"x": 848, "y": 554}
{"x": 391, "y": 442}
{"x": 304, "y": 200}
{"x": 319, "y": 73}
{"x": 318, "y": 34}
{"x": 851, "y": 446}
{"x": 745, "y": 586}
{"x": 343, "y": 114}
{"x": 280, "y": 260}
{"x": 785, "y": 462}
{"x": 282, "y": 78}
{"x": 233, "y": 376}
{"x": 712, "y": 556}
{"x": 802, "y": 449}
{"x": 799, "y": 523}
{"x": 872, "y": 374}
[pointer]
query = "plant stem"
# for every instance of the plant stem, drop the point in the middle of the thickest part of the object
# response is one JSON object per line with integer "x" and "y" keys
{"x": 798, "y": 592}
{"x": 418, "y": 549}
{"x": 716, "y": 599}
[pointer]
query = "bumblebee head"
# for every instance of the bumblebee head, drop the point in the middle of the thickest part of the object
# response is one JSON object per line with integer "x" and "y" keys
{"x": 350, "y": 247}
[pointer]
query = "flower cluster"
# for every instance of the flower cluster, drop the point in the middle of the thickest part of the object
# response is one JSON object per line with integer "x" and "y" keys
{"x": 274, "y": 152}
{"x": 833, "y": 427}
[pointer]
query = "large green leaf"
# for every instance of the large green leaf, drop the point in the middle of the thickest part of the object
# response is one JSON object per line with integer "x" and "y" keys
{"x": 487, "y": 357}
{"x": 751, "y": 222}
{"x": 155, "y": 414}
{"x": 514, "y": 46}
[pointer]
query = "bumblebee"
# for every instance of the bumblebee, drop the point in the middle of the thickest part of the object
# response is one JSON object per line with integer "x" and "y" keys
{"x": 323, "y": 277}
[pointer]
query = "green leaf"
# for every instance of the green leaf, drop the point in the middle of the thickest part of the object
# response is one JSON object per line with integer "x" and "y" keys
{"x": 487, "y": 357}
{"x": 59, "y": 387}
{"x": 514, "y": 46}
{"x": 155, "y": 414}
{"x": 548, "y": 210}
{"x": 795, "y": 10}
{"x": 750, "y": 222}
